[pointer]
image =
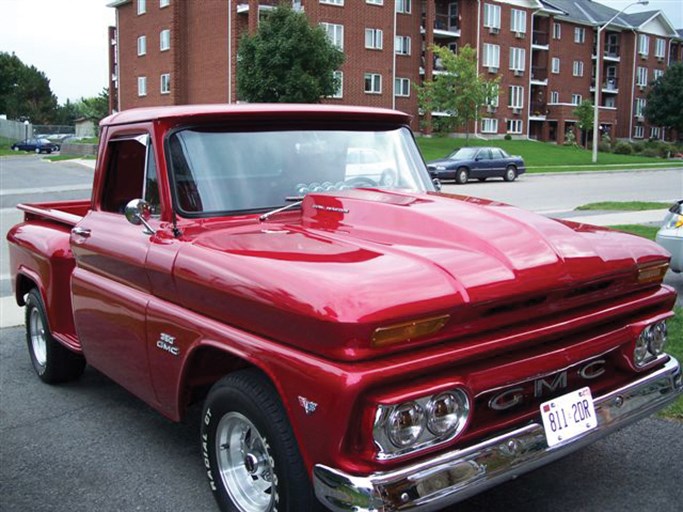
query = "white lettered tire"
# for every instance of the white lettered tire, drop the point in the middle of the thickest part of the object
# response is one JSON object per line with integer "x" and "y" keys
{"x": 251, "y": 456}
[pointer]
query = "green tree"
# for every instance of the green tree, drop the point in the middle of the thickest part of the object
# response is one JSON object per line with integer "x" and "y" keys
{"x": 584, "y": 114}
{"x": 461, "y": 92}
{"x": 287, "y": 60}
{"x": 95, "y": 108}
{"x": 664, "y": 105}
{"x": 25, "y": 91}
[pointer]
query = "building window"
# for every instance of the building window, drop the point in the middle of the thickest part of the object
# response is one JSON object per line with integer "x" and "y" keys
{"x": 555, "y": 65}
{"x": 402, "y": 45}
{"x": 517, "y": 59}
{"x": 577, "y": 69}
{"x": 375, "y": 2}
{"x": 142, "y": 86}
{"x": 373, "y": 83}
{"x": 493, "y": 100}
{"x": 403, "y": 6}
{"x": 142, "y": 45}
{"x": 332, "y": 2}
{"x": 518, "y": 21}
{"x": 579, "y": 35}
{"x": 660, "y": 46}
{"x": 335, "y": 33}
{"x": 489, "y": 125}
{"x": 641, "y": 77}
{"x": 339, "y": 76}
{"x": 492, "y": 16}
{"x": 655, "y": 132}
{"x": 373, "y": 38}
{"x": 142, "y": 7}
{"x": 557, "y": 31}
{"x": 638, "y": 132}
{"x": 643, "y": 44}
{"x": 640, "y": 106}
{"x": 657, "y": 73}
{"x": 402, "y": 87}
{"x": 165, "y": 40}
{"x": 165, "y": 86}
{"x": 554, "y": 97}
{"x": 164, "y": 3}
{"x": 516, "y": 96}
{"x": 514, "y": 126}
{"x": 576, "y": 99}
{"x": 491, "y": 56}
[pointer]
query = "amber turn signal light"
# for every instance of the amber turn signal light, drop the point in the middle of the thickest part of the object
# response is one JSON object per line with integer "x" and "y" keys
{"x": 652, "y": 273}
{"x": 408, "y": 331}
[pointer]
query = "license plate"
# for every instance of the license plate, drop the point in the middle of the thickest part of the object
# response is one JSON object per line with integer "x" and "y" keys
{"x": 568, "y": 416}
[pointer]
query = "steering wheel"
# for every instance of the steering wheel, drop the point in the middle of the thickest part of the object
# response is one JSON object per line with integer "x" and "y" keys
{"x": 361, "y": 182}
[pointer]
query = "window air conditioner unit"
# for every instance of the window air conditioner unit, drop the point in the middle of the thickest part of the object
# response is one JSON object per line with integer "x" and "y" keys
{"x": 641, "y": 87}
{"x": 493, "y": 69}
{"x": 519, "y": 72}
{"x": 490, "y": 108}
{"x": 640, "y": 118}
{"x": 520, "y": 35}
{"x": 516, "y": 111}
{"x": 493, "y": 30}
{"x": 660, "y": 58}
{"x": 643, "y": 56}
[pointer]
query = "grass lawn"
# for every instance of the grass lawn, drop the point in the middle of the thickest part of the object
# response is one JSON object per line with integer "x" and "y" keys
{"x": 540, "y": 156}
{"x": 629, "y": 206}
{"x": 648, "y": 232}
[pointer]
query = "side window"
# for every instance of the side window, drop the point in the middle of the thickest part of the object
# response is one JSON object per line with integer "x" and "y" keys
{"x": 497, "y": 154}
{"x": 126, "y": 177}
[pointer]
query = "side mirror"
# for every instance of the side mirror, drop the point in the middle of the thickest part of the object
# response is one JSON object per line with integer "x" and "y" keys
{"x": 437, "y": 184}
{"x": 137, "y": 212}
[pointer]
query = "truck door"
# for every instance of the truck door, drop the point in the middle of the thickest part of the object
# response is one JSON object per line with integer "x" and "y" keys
{"x": 110, "y": 285}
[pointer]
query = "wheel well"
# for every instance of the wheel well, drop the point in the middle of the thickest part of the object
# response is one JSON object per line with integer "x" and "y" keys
{"x": 207, "y": 366}
{"x": 512, "y": 165}
{"x": 23, "y": 286}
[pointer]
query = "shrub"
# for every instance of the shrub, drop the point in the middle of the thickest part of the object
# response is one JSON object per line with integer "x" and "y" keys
{"x": 570, "y": 138}
{"x": 604, "y": 147}
{"x": 650, "y": 152}
{"x": 508, "y": 136}
{"x": 623, "y": 148}
{"x": 637, "y": 147}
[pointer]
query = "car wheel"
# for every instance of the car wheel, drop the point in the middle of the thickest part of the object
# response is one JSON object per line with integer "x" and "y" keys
{"x": 249, "y": 450}
{"x": 37, "y": 150}
{"x": 462, "y": 175}
{"x": 510, "y": 173}
{"x": 52, "y": 361}
{"x": 14, "y": 148}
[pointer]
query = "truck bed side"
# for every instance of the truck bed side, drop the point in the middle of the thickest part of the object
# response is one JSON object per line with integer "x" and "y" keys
{"x": 40, "y": 257}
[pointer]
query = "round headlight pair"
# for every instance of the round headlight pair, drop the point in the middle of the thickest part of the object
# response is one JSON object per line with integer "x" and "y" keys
{"x": 442, "y": 415}
{"x": 650, "y": 343}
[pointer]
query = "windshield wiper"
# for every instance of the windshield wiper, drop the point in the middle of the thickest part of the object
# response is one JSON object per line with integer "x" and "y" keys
{"x": 295, "y": 201}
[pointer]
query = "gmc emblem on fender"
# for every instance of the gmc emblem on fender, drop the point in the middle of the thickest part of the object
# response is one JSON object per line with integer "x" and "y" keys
{"x": 511, "y": 397}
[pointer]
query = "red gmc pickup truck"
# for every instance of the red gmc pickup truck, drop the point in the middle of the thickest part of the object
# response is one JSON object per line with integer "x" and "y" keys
{"x": 360, "y": 340}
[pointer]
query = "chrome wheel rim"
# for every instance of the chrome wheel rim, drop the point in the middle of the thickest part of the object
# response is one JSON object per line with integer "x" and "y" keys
{"x": 38, "y": 341}
{"x": 244, "y": 464}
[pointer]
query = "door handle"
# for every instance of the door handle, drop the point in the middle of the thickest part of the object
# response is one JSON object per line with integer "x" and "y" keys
{"x": 78, "y": 231}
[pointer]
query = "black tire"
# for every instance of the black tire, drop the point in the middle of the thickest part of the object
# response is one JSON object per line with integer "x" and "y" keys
{"x": 245, "y": 407}
{"x": 462, "y": 175}
{"x": 52, "y": 361}
{"x": 510, "y": 173}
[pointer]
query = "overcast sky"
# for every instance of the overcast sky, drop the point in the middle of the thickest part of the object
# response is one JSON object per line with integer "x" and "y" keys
{"x": 67, "y": 39}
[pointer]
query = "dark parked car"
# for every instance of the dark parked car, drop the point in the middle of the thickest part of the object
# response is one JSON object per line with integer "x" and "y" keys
{"x": 480, "y": 163}
{"x": 37, "y": 145}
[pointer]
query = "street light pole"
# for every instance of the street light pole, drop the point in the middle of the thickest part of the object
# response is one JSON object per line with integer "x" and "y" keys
{"x": 596, "y": 97}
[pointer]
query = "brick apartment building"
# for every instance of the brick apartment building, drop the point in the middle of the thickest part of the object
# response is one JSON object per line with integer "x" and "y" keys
{"x": 167, "y": 52}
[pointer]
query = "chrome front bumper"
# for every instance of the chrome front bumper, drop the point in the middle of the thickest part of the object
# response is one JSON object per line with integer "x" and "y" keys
{"x": 454, "y": 476}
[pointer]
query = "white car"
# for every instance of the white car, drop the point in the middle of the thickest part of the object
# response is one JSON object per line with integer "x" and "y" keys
{"x": 670, "y": 236}
{"x": 368, "y": 163}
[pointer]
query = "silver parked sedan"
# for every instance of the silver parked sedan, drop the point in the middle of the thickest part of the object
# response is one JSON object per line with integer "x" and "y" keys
{"x": 670, "y": 236}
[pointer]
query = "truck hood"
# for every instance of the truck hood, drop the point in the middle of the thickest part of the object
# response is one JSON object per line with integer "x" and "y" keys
{"x": 326, "y": 277}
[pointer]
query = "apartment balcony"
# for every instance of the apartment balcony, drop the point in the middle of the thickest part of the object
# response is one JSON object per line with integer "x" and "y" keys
{"x": 539, "y": 75}
{"x": 609, "y": 86}
{"x": 445, "y": 27}
{"x": 539, "y": 40}
{"x": 538, "y": 111}
{"x": 610, "y": 53}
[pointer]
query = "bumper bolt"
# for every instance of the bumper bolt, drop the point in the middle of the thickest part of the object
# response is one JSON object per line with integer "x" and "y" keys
{"x": 619, "y": 401}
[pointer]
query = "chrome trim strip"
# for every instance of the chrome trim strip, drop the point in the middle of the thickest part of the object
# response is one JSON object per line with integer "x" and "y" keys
{"x": 456, "y": 475}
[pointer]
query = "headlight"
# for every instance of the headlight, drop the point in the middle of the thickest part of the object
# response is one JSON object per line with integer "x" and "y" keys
{"x": 421, "y": 423}
{"x": 447, "y": 411}
{"x": 673, "y": 221}
{"x": 440, "y": 168}
{"x": 406, "y": 424}
{"x": 650, "y": 344}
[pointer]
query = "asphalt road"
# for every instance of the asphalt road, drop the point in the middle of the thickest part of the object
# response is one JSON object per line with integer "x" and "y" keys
{"x": 91, "y": 446}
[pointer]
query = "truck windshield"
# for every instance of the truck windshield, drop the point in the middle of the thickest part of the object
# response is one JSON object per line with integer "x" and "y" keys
{"x": 218, "y": 172}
